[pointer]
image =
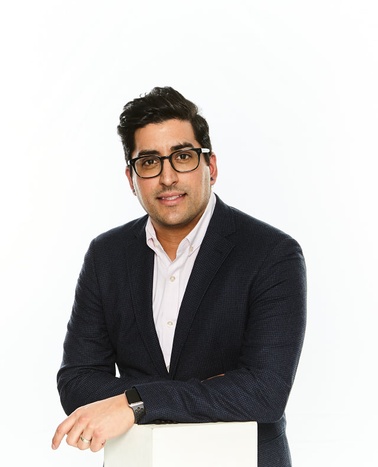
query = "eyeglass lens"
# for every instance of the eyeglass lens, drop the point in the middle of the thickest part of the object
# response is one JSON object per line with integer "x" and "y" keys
{"x": 182, "y": 161}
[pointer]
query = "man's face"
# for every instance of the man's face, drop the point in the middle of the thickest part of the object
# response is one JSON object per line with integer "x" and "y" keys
{"x": 173, "y": 200}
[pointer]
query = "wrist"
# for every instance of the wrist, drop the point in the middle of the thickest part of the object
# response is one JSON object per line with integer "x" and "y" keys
{"x": 135, "y": 402}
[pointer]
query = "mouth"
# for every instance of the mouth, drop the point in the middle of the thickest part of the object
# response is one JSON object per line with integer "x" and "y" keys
{"x": 171, "y": 197}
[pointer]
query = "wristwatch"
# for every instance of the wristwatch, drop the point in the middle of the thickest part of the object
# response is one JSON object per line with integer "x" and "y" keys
{"x": 136, "y": 403}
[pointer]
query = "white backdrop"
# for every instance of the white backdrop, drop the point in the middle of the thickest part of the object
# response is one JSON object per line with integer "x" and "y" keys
{"x": 288, "y": 87}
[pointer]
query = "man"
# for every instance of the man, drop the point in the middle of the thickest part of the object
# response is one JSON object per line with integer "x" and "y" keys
{"x": 199, "y": 306}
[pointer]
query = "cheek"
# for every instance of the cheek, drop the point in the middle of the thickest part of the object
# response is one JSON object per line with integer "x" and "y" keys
{"x": 206, "y": 179}
{"x": 143, "y": 189}
{"x": 138, "y": 191}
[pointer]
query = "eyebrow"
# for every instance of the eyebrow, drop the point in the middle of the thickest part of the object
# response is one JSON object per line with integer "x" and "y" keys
{"x": 154, "y": 152}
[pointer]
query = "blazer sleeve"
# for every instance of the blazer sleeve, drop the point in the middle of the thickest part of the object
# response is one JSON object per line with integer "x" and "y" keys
{"x": 258, "y": 389}
{"x": 88, "y": 369}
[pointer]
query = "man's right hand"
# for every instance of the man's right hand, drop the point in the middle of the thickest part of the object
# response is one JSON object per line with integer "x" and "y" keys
{"x": 89, "y": 427}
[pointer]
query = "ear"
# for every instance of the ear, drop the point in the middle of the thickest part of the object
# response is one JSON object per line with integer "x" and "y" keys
{"x": 213, "y": 169}
{"x": 130, "y": 178}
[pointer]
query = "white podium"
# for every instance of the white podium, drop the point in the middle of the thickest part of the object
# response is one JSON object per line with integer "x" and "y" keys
{"x": 185, "y": 445}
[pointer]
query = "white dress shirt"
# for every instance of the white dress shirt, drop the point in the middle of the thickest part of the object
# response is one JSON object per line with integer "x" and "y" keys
{"x": 171, "y": 277}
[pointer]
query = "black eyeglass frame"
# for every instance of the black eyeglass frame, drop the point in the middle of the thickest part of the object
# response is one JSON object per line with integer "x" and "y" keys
{"x": 199, "y": 151}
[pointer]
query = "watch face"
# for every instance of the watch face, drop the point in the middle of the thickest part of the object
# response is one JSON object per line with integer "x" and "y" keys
{"x": 132, "y": 396}
{"x": 135, "y": 402}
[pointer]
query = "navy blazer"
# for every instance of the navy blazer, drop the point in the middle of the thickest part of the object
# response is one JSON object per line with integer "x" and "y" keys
{"x": 243, "y": 315}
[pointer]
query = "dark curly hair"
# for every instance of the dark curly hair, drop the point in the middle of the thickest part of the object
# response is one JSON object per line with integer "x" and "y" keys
{"x": 157, "y": 106}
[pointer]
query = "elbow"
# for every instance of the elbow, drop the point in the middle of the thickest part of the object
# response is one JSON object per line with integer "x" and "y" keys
{"x": 271, "y": 415}
{"x": 65, "y": 401}
{"x": 66, "y": 394}
{"x": 272, "y": 405}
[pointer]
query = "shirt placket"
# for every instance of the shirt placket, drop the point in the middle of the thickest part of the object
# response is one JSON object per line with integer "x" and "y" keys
{"x": 170, "y": 307}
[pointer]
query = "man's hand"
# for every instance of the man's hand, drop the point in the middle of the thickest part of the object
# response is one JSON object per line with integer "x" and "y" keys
{"x": 89, "y": 427}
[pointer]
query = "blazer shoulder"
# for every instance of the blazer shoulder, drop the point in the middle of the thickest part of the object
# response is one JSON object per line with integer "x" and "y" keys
{"x": 251, "y": 238}
{"x": 247, "y": 226}
{"x": 122, "y": 234}
{"x": 257, "y": 227}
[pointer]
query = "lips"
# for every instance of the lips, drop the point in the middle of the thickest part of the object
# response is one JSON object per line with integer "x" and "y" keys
{"x": 171, "y": 197}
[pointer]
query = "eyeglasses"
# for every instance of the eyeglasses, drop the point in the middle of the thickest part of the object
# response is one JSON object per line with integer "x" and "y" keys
{"x": 183, "y": 160}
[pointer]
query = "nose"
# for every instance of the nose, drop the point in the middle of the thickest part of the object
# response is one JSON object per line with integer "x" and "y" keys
{"x": 168, "y": 175}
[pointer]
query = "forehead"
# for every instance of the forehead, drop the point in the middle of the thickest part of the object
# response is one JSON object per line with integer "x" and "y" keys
{"x": 164, "y": 136}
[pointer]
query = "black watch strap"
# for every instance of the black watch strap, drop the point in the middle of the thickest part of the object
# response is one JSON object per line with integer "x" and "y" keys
{"x": 136, "y": 403}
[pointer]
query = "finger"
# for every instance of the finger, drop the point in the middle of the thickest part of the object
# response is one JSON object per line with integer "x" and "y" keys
{"x": 84, "y": 441}
{"x": 97, "y": 444}
{"x": 73, "y": 436}
{"x": 62, "y": 431}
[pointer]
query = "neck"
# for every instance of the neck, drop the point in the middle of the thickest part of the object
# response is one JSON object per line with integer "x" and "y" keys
{"x": 170, "y": 239}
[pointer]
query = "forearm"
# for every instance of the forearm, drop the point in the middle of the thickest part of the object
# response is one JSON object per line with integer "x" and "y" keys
{"x": 239, "y": 395}
{"x": 79, "y": 389}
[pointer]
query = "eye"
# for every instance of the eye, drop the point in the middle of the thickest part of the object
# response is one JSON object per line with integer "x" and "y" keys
{"x": 148, "y": 162}
{"x": 184, "y": 156}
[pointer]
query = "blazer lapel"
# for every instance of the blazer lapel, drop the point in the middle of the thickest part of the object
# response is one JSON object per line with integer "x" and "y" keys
{"x": 140, "y": 264}
{"x": 214, "y": 250}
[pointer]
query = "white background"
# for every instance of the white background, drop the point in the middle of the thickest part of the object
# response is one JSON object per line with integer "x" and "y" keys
{"x": 289, "y": 89}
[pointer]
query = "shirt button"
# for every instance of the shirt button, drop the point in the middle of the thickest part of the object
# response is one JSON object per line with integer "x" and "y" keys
{"x": 172, "y": 278}
{"x": 170, "y": 323}
{"x": 190, "y": 249}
